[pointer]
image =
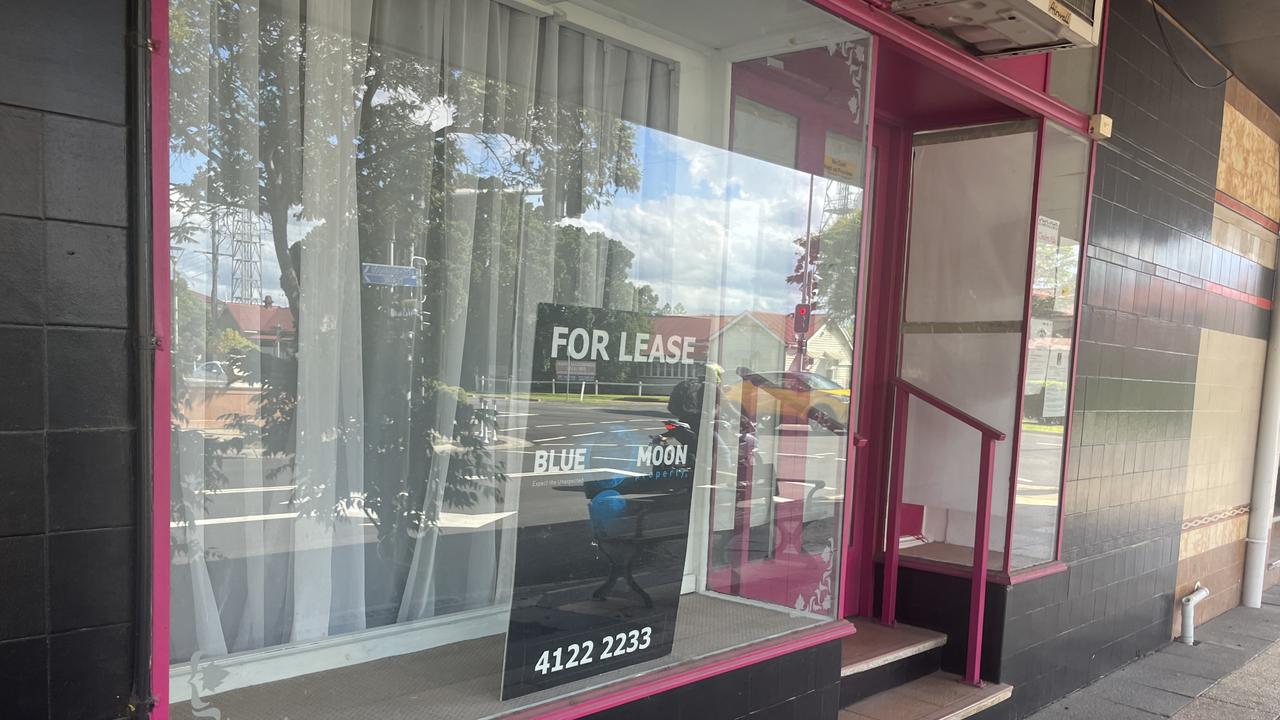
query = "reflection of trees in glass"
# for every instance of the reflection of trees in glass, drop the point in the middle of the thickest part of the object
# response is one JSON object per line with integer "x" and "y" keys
{"x": 826, "y": 269}
{"x": 456, "y": 175}
{"x": 191, "y": 337}
{"x": 1055, "y": 277}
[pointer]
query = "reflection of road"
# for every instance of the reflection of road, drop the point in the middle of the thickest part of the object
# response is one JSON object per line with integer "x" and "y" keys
{"x": 809, "y": 466}
{"x": 610, "y": 432}
{"x": 252, "y": 512}
{"x": 1036, "y": 514}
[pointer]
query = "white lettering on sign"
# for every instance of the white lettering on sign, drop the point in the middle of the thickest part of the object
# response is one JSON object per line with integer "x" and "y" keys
{"x": 559, "y": 460}
{"x": 581, "y": 344}
{"x": 662, "y": 455}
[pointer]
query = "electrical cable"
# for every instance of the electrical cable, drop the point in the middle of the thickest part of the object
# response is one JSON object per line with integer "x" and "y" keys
{"x": 1155, "y": 10}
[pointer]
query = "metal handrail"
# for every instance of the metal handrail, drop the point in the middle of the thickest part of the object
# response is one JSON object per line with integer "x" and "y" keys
{"x": 903, "y": 390}
{"x": 950, "y": 409}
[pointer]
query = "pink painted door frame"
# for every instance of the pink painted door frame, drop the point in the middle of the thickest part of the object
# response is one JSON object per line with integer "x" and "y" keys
{"x": 884, "y": 269}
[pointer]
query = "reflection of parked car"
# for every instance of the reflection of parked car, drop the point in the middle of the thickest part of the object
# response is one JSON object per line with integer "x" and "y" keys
{"x": 818, "y": 399}
{"x": 212, "y": 372}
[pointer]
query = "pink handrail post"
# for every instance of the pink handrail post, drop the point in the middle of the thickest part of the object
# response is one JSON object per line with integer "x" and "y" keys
{"x": 903, "y": 391}
{"x": 981, "y": 546}
{"x": 889, "y": 598}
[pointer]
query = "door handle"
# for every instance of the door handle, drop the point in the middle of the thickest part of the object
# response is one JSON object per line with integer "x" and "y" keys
{"x": 860, "y": 441}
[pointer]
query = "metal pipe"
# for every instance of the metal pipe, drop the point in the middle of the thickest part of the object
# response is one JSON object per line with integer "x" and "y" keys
{"x": 142, "y": 701}
{"x": 1266, "y": 464}
{"x": 1189, "y": 614}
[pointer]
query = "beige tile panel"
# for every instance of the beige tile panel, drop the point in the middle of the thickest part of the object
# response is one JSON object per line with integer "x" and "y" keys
{"x": 1224, "y": 423}
{"x": 1200, "y": 540}
{"x": 1238, "y": 234}
{"x": 1252, "y": 107}
{"x": 1249, "y": 164}
{"x": 1221, "y": 570}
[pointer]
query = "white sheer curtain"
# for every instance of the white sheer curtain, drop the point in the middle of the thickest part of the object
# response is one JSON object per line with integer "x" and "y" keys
{"x": 271, "y": 546}
{"x": 249, "y": 602}
{"x": 328, "y": 553}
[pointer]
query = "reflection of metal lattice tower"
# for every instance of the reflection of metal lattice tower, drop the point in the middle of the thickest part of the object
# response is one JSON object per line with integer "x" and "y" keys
{"x": 841, "y": 198}
{"x": 237, "y": 231}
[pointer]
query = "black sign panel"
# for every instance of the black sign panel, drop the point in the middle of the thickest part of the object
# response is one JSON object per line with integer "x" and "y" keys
{"x": 604, "y": 511}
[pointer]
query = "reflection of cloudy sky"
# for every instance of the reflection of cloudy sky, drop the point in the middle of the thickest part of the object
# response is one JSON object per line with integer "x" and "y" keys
{"x": 710, "y": 230}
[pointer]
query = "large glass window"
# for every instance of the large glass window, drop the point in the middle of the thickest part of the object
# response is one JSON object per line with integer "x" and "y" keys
{"x": 1059, "y": 229}
{"x": 513, "y": 354}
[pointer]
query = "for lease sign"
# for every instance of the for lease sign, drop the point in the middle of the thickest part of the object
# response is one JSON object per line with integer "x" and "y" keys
{"x": 580, "y": 343}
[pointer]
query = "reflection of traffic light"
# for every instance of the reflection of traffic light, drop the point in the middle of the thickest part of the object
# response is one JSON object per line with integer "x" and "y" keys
{"x": 801, "y": 318}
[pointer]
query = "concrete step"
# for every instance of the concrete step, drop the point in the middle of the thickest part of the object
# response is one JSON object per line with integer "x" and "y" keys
{"x": 878, "y": 658}
{"x": 939, "y": 696}
{"x": 875, "y": 645}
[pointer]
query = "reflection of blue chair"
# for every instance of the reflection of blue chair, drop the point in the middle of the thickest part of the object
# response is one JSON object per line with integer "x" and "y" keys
{"x": 605, "y": 509}
{"x": 629, "y": 515}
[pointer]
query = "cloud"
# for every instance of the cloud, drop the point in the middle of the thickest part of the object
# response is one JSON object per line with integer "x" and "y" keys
{"x": 711, "y": 255}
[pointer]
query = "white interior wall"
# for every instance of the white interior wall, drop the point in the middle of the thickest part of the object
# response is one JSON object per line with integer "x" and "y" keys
{"x": 969, "y": 236}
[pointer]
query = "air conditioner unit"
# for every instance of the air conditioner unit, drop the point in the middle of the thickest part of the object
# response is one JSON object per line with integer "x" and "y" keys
{"x": 991, "y": 28}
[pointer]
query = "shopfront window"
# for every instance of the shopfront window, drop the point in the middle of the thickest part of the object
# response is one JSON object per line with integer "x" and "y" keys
{"x": 513, "y": 353}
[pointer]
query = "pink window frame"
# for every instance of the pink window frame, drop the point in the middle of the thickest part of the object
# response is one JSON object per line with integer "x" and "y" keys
{"x": 162, "y": 390}
{"x": 865, "y": 14}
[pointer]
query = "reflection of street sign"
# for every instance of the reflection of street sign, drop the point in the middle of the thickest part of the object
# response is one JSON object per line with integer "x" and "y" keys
{"x": 1047, "y": 230}
{"x": 575, "y": 370}
{"x": 1055, "y": 387}
{"x": 397, "y": 275}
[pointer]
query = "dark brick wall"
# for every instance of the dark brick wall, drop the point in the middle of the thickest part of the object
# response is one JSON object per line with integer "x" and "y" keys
{"x": 1144, "y": 305}
{"x": 67, "y": 421}
{"x": 803, "y": 685}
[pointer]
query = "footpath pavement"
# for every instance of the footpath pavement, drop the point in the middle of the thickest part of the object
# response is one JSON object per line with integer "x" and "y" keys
{"x": 1232, "y": 673}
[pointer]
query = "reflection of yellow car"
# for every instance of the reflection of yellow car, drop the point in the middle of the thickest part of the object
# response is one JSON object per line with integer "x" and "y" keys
{"x": 796, "y": 396}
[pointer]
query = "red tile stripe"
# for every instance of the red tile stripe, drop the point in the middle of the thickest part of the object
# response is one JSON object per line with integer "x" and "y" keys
{"x": 1245, "y": 210}
{"x": 1224, "y": 291}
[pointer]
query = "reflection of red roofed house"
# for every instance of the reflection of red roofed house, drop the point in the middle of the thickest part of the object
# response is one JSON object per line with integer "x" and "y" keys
{"x": 755, "y": 339}
{"x": 763, "y": 341}
{"x": 267, "y": 325}
{"x": 694, "y": 326}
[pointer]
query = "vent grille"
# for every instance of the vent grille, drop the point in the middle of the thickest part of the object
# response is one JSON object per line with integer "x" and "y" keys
{"x": 1083, "y": 8}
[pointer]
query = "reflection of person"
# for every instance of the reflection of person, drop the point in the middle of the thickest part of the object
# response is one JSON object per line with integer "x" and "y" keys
{"x": 685, "y": 402}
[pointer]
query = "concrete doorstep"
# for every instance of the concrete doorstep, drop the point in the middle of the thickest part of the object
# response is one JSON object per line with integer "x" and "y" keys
{"x": 1232, "y": 673}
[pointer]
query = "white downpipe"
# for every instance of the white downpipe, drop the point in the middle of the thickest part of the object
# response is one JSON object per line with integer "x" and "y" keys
{"x": 1266, "y": 465}
{"x": 1189, "y": 614}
